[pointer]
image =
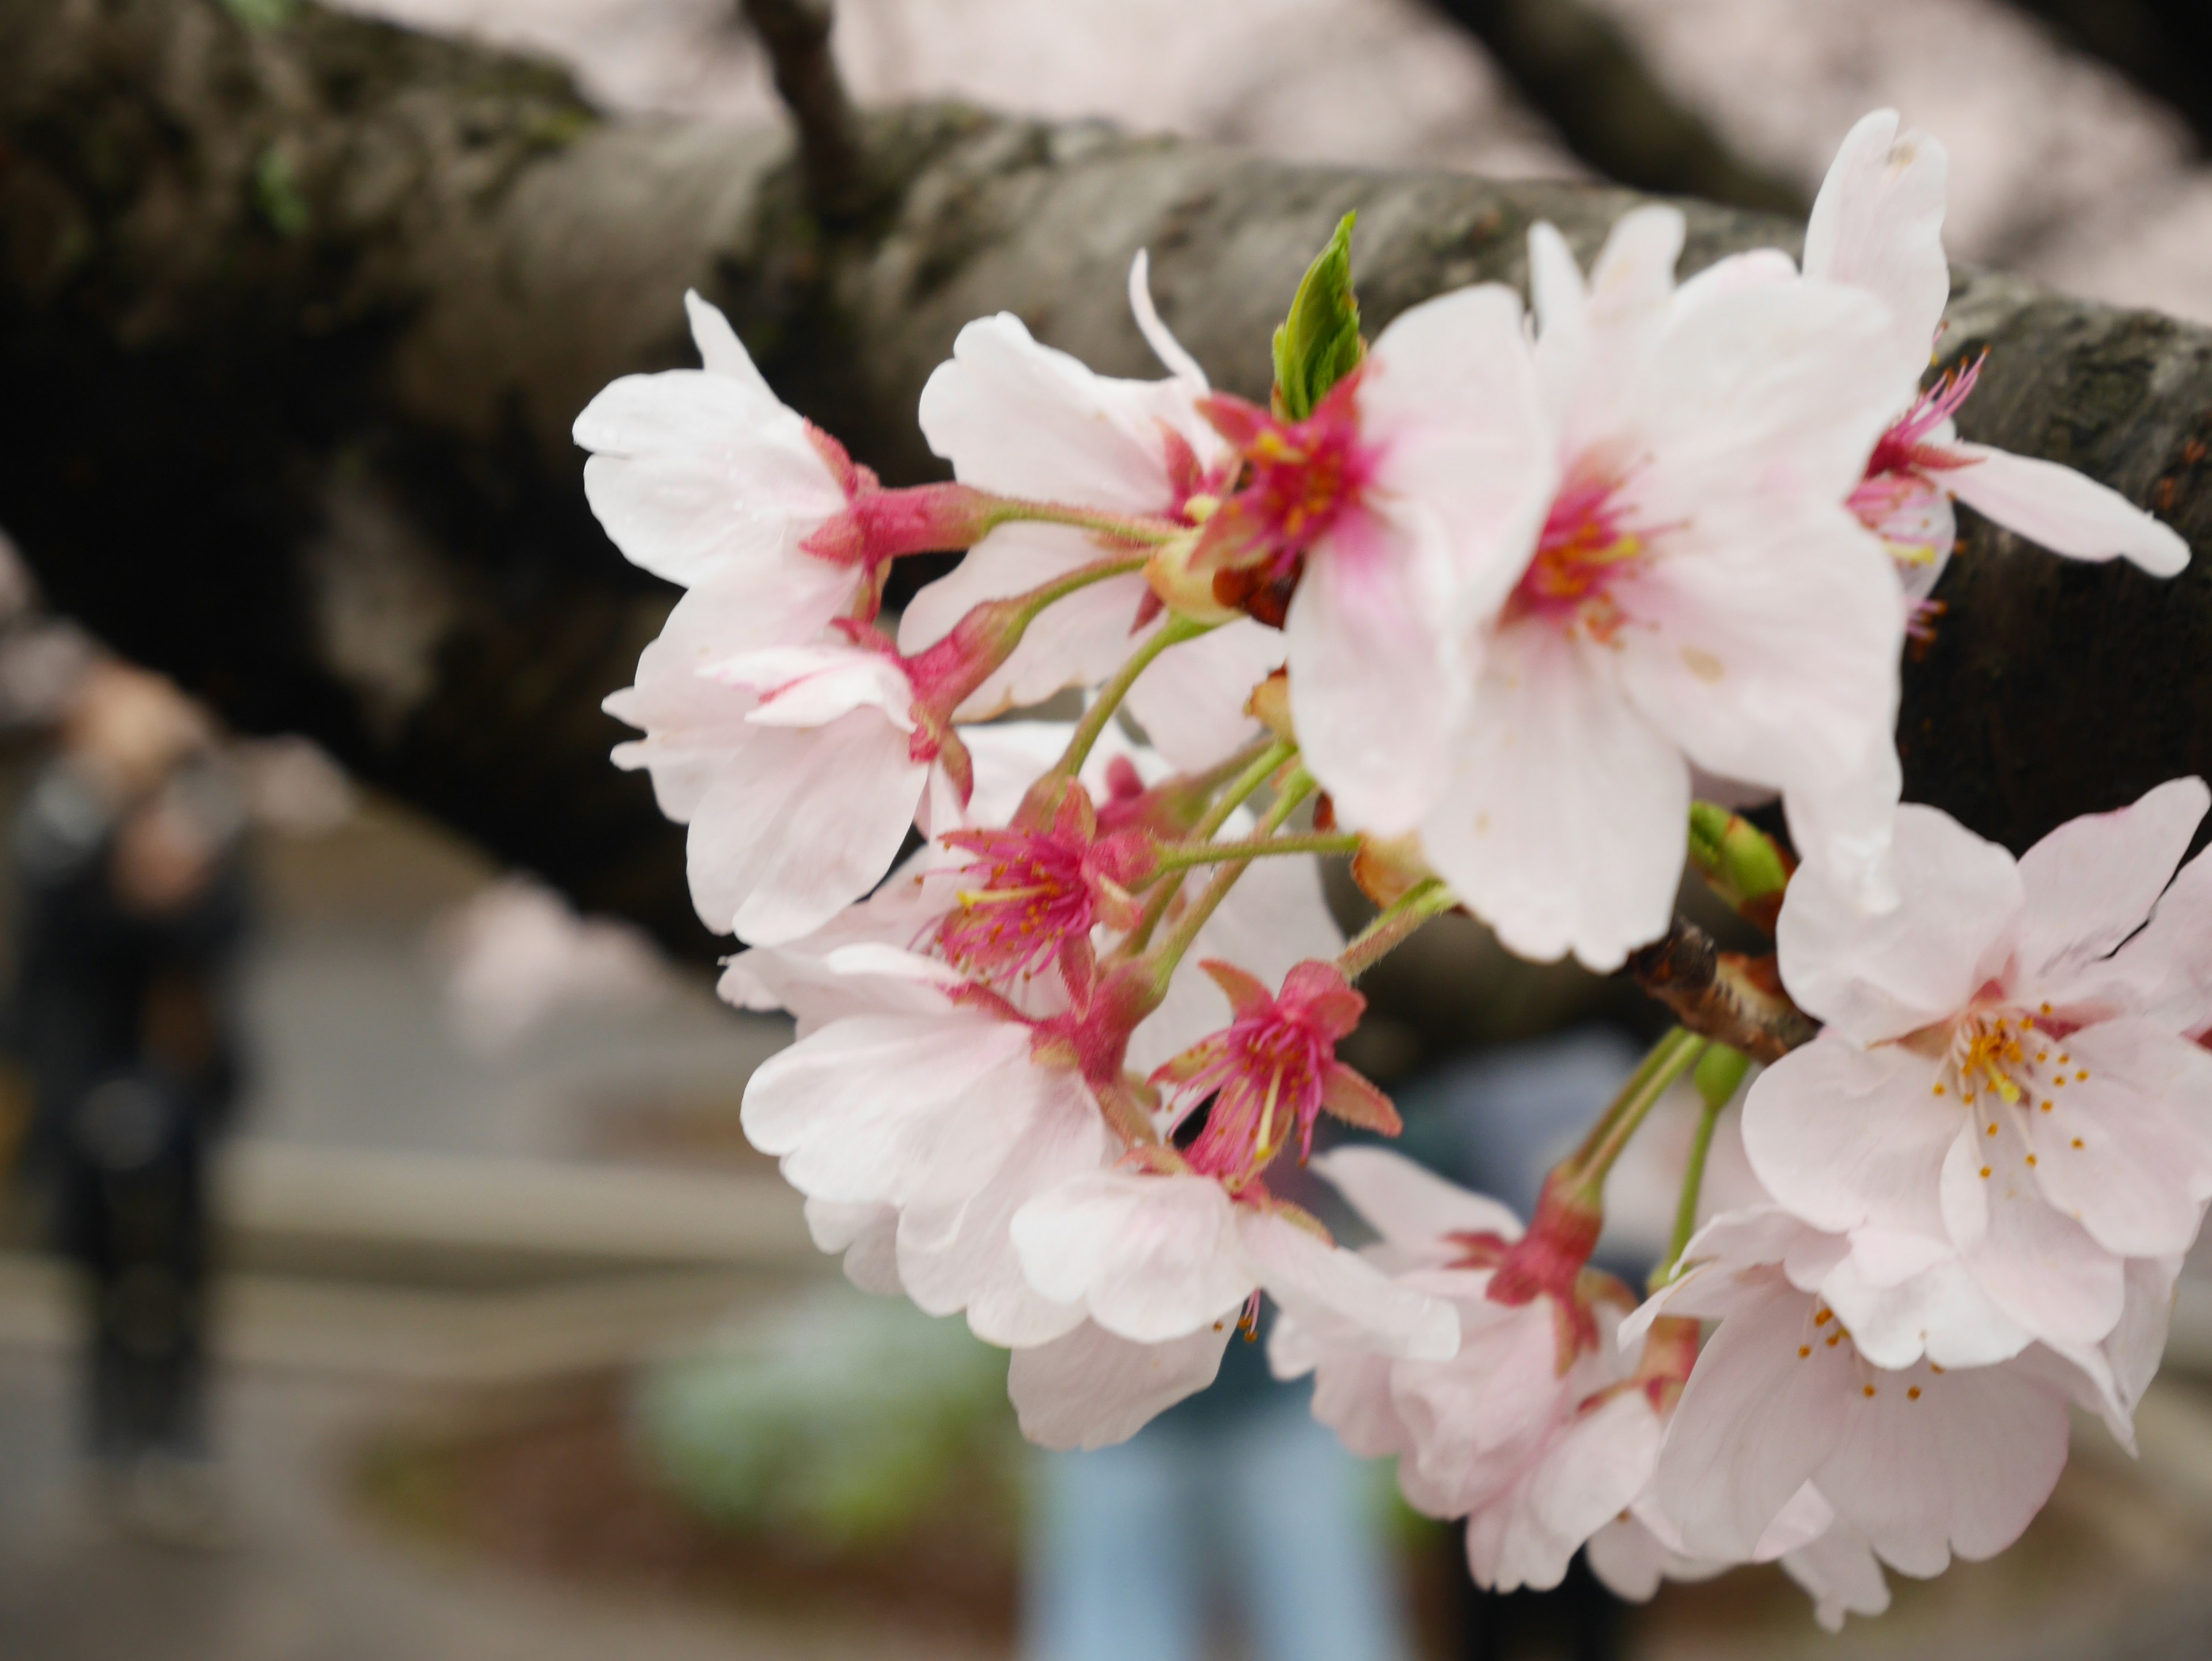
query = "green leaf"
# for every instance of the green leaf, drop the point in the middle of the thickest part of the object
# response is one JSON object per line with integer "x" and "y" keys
{"x": 1318, "y": 343}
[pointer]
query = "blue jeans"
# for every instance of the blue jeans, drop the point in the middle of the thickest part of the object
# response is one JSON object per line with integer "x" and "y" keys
{"x": 1129, "y": 1543}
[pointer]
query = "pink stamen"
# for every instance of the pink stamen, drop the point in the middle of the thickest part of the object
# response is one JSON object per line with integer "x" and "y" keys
{"x": 1903, "y": 448}
{"x": 1585, "y": 546}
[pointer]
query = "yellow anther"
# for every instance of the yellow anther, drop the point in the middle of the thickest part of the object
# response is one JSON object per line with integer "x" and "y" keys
{"x": 1867, "y": 1390}
{"x": 1913, "y": 1393}
{"x": 1803, "y": 1350}
{"x": 1985, "y": 1171}
{"x": 2031, "y": 1158}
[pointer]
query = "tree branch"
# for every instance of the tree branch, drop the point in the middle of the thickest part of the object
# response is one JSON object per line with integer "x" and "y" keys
{"x": 295, "y": 322}
{"x": 831, "y": 161}
{"x": 1583, "y": 75}
{"x": 1725, "y": 996}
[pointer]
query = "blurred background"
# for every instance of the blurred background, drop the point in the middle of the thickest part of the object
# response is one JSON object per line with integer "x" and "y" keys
{"x": 508, "y": 1345}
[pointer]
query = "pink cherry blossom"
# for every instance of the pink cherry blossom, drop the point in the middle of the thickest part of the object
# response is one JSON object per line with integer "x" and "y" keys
{"x": 1366, "y": 518}
{"x": 1535, "y": 1431}
{"x": 1690, "y": 591}
{"x": 2003, "y": 1109}
{"x": 705, "y": 476}
{"x": 1878, "y": 225}
{"x": 1922, "y": 1462}
{"x": 1015, "y": 417}
{"x": 1267, "y": 1075}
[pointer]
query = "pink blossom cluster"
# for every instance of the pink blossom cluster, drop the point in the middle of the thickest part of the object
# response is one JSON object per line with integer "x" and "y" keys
{"x": 1481, "y": 614}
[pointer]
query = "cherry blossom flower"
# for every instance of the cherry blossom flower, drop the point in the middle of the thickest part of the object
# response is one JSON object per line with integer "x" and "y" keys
{"x": 1692, "y": 592}
{"x": 1267, "y": 1075}
{"x": 1922, "y": 1462}
{"x": 1533, "y": 1432}
{"x": 2003, "y": 1109}
{"x": 705, "y": 475}
{"x": 1878, "y": 224}
{"x": 1018, "y": 418}
{"x": 1369, "y": 515}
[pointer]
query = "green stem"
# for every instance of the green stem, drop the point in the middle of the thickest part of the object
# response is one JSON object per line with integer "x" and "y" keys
{"x": 1144, "y": 529}
{"x": 1670, "y": 1058}
{"x": 1261, "y": 767}
{"x": 1423, "y": 900}
{"x": 1175, "y": 630}
{"x": 1178, "y": 856}
{"x": 1693, "y": 1183}
{"x": 1169, "y": 952}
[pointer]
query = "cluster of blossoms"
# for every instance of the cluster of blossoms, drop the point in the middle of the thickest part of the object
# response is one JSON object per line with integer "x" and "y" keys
{"x": 1479, "y": 605}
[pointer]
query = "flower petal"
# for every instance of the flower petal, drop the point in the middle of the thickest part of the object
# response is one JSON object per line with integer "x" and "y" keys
{"x": 1848, "y": 1137}
{"x": 1338, "y": 1298}
{"x": 1150, "y": 1257}
{"x": 2091, "y": 882}
{"x": 1371, "y": 693}
{"x": 2066, "y": 512}
{"x": 1090, "y": 1388}
{"x": 1878, "y": 224}
{"x": 1563, "y": 822}
{"x": 800, "y": 823}
{"x": 1408, "y": 1204}
{"x": 2040, "y": 1267}
{"x": 1882, "y": 976}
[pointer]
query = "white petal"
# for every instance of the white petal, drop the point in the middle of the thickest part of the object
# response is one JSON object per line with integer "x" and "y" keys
{"x": 2040, "y": 1267}
{"x": 1764, "y": 393}
{"x": 1960, "y": 1467}
{"x": 1371, "y": 693}
{"x": 1564, "y": 819}
{"x": 1165, "y": 347}
{"x": 1878, "y": 225}
{"x": 1766, "y": 643}
{"x": 896, "y": 1109}
{"x": 1839, "y": 1572}
{"x": 867, "y": 1235}
{"x": 1450, "y": 398}
{"x": 2066, "y": 512}
{"x": 1882, "y": 976}
{"x": 1755, "y": 1420}
{"x": 1848, "y": 1137}
{"x": 1340, "y": 1299}
{"x": 1191, "y": 701}
{"x": 721, "y": 351}
{"x": 1938, "y": 1311}
{"x": 799, "y": 823}
{"x": 2110, "y": 1150}
{"x": 2093, "y": 881}
{"x": 692, "y": 474}
{"x": 957, "y": 1254}
{"x": 1022, "y": 419}
{"x": 1150, "y": 1258}
{"x": 1408, "y": 1204}
{"x": 1090, "y": 1389}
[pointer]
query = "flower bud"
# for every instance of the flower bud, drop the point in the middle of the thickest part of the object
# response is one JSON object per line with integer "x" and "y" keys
{"x": 1318, "y": 343}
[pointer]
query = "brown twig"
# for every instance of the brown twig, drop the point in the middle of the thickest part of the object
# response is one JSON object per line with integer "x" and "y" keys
{"x": 1724, "y": 995}
{"x": 830, "y": 155}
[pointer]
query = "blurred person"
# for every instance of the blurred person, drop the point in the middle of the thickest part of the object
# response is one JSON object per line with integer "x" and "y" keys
{"x": 131, "y": 906}
{"x": 1237, "y": 1490}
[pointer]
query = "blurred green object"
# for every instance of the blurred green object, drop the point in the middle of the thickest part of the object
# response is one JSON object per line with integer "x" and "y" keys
{"x": 838, "y": 1419}
{"x": 1318, "y": 343}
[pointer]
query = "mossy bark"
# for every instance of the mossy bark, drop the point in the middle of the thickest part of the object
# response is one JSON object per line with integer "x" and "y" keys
{"x": 294, "y": 321}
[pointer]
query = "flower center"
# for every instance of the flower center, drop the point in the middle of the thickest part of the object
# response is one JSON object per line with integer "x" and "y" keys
{"x": 1585, "y": 546}
{"x": 1261, "y": 1083}
{"x": 2008, "y": 1060}
{"x": 1018, "y": 903}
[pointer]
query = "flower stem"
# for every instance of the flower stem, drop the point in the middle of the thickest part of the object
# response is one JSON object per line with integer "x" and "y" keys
{"x": 1178, "y": 856}
{"x": 1173, "y": 632}
{"x": 1685, "y": 1208}
{"x": 1670, "y": 1058}
{"x": 1261, "y": 767}
{"x": 1169, "y": 952}
{"x": 1147, "y": 530}
{"x": 1393, "y": 925}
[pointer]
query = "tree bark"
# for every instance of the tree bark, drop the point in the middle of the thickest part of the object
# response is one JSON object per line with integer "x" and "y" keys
{"x": 294, "y": 321}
